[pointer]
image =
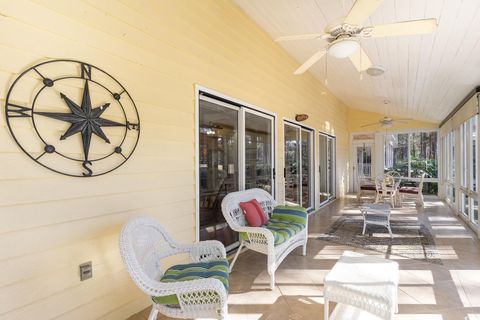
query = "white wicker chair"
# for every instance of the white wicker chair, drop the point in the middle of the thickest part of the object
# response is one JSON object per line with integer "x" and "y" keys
{"x": 260, "y": 239}
{"x": 144, "y": 243}
{"x": 413, "y": 192}
{"x": 386, "y": 189}
{"x": 366, "y": 187}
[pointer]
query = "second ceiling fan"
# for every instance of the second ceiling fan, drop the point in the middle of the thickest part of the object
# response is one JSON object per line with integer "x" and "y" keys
{"x": 344, "y": 37}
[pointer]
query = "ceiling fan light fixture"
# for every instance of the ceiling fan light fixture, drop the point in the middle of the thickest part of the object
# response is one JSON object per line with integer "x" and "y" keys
{"x": 343, "y": 47}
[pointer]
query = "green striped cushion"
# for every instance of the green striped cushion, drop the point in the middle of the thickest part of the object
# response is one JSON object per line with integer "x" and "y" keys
{"x": 217, "y": 269}
{"x": 283, "y": 230}
{"x": 295, "y": 214}
{"x": 286, "y": 221}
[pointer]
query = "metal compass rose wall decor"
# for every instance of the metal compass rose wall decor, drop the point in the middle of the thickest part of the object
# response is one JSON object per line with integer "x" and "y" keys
{"x": 72, "y": 118}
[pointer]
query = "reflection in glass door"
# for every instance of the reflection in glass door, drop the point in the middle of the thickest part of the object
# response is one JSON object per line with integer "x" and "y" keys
{"x": 236, "y": 152}
{"x": 298, "y": 166}
{"x": 307, "y": 168}
{"x": 218, "y": 168}
{"x": 258, "y": 151}
{"x": 292, "y": 164}
{"x": 326, "y": 149}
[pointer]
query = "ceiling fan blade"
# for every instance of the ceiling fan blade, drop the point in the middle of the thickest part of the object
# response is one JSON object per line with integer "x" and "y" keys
{"x": 311, "y": 61}
{"x": 402, "y": 119}
{"x": 361, "y": 10}
{"x": 402, "y": 28}
{"x": 303, "y": 37}
{"x": 371, "y": 124}
{"x": 360, "y": 60}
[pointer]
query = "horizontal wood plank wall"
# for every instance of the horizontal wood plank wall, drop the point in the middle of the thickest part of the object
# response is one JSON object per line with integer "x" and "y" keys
{"x": 158, "y": 50}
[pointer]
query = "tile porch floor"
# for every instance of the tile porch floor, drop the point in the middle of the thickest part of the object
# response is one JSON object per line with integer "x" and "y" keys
{"x": 426, "y": 292}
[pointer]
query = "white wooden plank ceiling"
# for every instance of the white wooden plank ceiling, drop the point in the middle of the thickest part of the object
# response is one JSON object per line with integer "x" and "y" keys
{"x": 427, "y": 75}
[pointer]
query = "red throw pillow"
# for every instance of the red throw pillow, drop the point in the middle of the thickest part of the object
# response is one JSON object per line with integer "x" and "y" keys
{"x": 260, "y": 211}
{"x": 251, "y": 214}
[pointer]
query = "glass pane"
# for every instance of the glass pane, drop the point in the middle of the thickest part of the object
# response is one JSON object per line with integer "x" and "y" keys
{"x": 465, "y": 204}
{"x": 430, "y": 188}
{"x": 396, "y": 153}
{"x": 423, "y": 154}
{"x": 453, "y": 195}
{"x": 331, "y": 166}
{"x": 307, "y": 169}
{"x": 364, "y": 160}
{"x": 323, "y": 168}
{"x": 258, "y": 152}
{"x": 218, "y": 156}
{"x": 445, "y": 157}
{"x": 473, "y": 134}
{"x": 292, "y": 163}
{"x": 475, "y": 211}
{"x": 452, "y": 156}
{"x": 463, "y": 154}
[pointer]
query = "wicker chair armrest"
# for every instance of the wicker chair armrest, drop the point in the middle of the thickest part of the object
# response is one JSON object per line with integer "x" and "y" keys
{"x": 259, "y": 232}
{"x": 205, "y": 250}
{"x": 180, "y": 288}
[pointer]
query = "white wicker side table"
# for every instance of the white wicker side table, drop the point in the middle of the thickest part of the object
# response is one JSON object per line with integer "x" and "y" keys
{"x": 376, "y": 214}
{"x": 365, "y": 282}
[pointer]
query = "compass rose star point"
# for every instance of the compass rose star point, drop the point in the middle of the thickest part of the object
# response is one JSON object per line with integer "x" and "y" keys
{"x": 83, "y": 119}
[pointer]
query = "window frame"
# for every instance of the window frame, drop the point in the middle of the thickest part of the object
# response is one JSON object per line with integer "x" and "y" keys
{"x": 461, "y": 189}
{"x": 410, "y": 133}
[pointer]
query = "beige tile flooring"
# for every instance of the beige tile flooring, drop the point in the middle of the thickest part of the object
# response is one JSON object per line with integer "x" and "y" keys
{"x": 427, "y": 291}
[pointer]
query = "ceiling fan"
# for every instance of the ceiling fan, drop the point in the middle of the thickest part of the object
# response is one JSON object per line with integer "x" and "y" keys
{"x": 343, "y": 36}
{"x": 386, "y": 122}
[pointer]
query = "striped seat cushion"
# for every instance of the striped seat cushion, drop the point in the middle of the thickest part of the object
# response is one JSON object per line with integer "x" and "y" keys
{"x": 217, "y": 269}
{"x": 295, "y": 214}
{"x": 283, "y": 230}
{"x": 286, "y": 221}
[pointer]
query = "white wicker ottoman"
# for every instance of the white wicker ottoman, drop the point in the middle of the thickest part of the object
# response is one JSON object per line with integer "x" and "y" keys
{"x": 362, "y": 282}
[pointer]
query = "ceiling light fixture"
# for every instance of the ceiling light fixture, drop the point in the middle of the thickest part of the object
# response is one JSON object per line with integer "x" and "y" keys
{"x": 376, "y": 70}
{"x": 343, "y": 47}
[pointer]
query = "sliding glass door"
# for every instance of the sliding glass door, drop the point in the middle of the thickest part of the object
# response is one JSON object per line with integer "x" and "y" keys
{"x": 307, "y": 169}
{"x": 258, "y": 151}
{"x": 326, "y": 149}
{"x": 218, "y": 167}
{"x": 298, "y": 165}
{"x": 236, "y": 152}
{"x": 292, "y": 165}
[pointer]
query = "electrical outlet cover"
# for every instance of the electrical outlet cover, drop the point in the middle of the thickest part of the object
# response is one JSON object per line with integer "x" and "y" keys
{"x": 86, "y": 271}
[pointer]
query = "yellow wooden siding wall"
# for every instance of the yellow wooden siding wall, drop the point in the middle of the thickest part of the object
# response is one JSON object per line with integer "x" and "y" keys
{"x": 158, "y": 50}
